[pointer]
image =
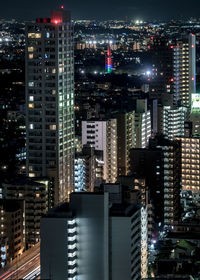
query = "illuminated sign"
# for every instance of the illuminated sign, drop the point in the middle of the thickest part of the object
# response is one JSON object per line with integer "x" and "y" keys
{"x": 195, "y": 101}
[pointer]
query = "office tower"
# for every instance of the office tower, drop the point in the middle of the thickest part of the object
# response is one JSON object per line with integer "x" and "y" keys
{"x": 160, "y": 166}
{"x": 190, "y": 162}
{"x": 12, "y": 230}
{"x": 174, "y": 68}
{"x": 87, "y": 225}
{"x": 142, "y": 124}
{"x": 36, "y": 198}
{"x": 171, "y": 121}
{"x": 125, "y": 140}
{"x": 102, "y": 135}
{"x": 50, "y": 101}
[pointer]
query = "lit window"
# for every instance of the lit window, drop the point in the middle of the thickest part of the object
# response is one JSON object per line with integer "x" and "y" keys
{"x": 37, "y": 195}
{"x": 31, "y": 126}
{"x": 31, "y": 98}
{"x": 60, "y": 69}
{"x": 52, "y": 127}
{"x": 30, "y": 49}
{"x": 30, "y": 56}
{"x": 34, "y": 35}
{"x": 31, "y": 84}
{"x": 30, "y": 105}
{"x": 31, "y": 174}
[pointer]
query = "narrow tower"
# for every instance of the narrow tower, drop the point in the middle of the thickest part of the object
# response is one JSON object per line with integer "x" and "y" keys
{"x": 108, "y": 66}
{"x": 50, "y": 101}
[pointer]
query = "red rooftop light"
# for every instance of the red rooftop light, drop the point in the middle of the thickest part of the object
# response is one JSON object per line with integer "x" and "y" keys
{"x": 62, "y": 7}
{"x": 56, "y": 21}
{"x": 171, "y": 80}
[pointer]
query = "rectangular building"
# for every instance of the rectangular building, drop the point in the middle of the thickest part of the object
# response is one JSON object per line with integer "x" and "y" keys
{"x": 50, "y": 101}
{"x": 91, "y": 239}
{"x": 102, "y": 135}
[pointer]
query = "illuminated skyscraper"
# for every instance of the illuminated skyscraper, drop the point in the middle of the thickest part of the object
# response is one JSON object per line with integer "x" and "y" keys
{"x": 109, "y": 66}
{"x": 185, "y": 69}
{"x": 50, "y": 101}
{"x": 174, "y": 68}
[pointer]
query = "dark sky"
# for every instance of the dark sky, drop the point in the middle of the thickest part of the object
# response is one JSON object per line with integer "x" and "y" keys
{"x": 102, "y": 9}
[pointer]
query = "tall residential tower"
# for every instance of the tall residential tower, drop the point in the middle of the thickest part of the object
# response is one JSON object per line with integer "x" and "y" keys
{"x": 50, "y": 101}
{"x": 174, "y": 68}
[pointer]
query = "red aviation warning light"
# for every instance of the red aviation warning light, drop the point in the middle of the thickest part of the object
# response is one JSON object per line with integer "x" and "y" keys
{"x": 62, "y": 6}
{"x": 56, "y": 21}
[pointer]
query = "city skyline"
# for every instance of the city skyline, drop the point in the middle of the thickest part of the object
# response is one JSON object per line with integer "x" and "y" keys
{"x": 100, "y": 141}
{"x": 150, "y": 9}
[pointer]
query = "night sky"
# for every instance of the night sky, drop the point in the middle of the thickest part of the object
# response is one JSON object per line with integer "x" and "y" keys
{"x": 104, "y": 9}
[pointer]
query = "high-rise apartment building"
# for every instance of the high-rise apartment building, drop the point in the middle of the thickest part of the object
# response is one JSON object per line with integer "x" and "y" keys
{"x": 91, "y": 239}
{"x": 190, "y": 163}
{"x": 142, "y": 124}
{"x": 162, "y": 67}
{"x": 35, "y": 196}
{"x": 125, "y": 140}
{"x": 174, "y": 68}
{"x": 102, "y": 135}
{"x": 184, "y": 57}
{"x": 171, "y": 121}
{"x": 160, "y": 166}
{"x": 50, "y": 101}
{"x": 12, "y": 224}
{"x": 120, "y": 193}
